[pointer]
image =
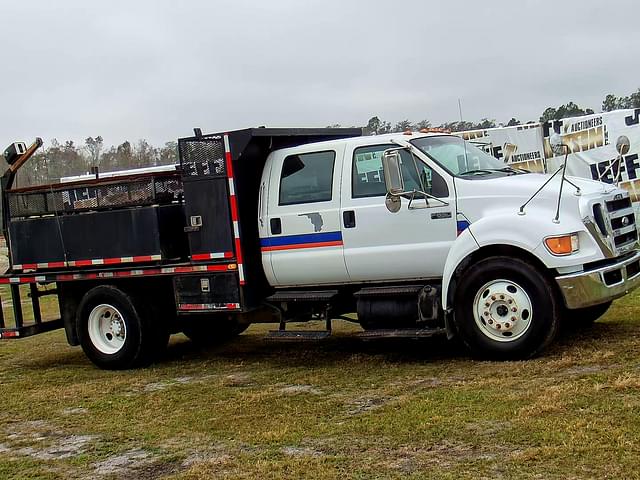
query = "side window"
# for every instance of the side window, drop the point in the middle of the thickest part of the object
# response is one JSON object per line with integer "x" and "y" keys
{"x": 307, "y": 178}
{"x": 368, "y": 177}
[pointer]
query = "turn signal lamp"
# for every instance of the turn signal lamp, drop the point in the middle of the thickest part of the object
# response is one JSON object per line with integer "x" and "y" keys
{"x": 563, "y": 245}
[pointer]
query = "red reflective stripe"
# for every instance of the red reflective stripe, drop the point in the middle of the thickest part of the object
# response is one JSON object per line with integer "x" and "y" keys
{"x": 234, "y": 208}
{"x": 217, "y": 268}
{"x": 112, "y": 261}
{"x": 56, "y": 265}
{"x": 209, "y": 256}
{"x": 123, "y": 273}
{"x": 228, "y": 161}
{"x": 27, "y": 266}
{"x": 82, "y": 263}
{"x": 143, "y": 258}
{"x": 207, "y": 306}
{"x": 9, "y": 334}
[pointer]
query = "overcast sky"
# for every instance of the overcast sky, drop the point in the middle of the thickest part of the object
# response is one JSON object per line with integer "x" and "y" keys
{"x": 156, "y": 69}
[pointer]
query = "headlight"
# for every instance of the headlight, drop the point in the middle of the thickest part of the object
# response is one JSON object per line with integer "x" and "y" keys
{"x": 563, "y": 245}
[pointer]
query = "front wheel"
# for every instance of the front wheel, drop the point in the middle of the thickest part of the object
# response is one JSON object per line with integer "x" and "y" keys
{"x": 505, "y": 308}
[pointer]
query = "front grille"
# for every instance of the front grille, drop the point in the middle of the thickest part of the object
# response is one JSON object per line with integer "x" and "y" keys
{"x": 623, "y": 222}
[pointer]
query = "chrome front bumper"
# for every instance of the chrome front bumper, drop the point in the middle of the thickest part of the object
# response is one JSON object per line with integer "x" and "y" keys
{"x": 584, "y": 289}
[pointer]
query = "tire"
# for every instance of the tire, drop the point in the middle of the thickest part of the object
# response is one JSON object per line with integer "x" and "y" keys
{"x": 210, "y": 330}
{"x": 485, "y": 299}
{"x": 584, "y": 317}
{"x": 115, "y": 333}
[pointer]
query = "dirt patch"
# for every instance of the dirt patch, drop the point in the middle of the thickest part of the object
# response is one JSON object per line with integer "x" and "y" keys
{"x": 301, "y": 452}
{"x": 75, "y": 411}
{"x": 588, "y": 369}
{"x": 123, "y": 462}
{"x": 447, "y": 454}
{"x": 39, "y": 440}
{"x": 367, "y": 404}
{"x": 163, "y": 385}
{"x": 296, "y": 389}
{"x": 240, "y": 379}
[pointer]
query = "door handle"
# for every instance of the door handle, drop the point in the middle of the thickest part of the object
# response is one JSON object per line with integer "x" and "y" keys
{"x": 276, "y": 226}
{"x": 349, "y": 218}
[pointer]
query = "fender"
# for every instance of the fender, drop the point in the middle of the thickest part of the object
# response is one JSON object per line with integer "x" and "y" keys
{"x": 522, "y": 231}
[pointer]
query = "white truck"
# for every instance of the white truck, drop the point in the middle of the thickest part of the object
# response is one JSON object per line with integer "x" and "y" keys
{"x": 417, "y": 233}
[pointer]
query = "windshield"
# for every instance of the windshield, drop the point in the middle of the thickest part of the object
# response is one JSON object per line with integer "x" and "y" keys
{"x": 460, "y": 157}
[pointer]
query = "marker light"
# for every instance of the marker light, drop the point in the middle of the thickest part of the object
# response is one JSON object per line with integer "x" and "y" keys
{"x": 563, "y": 245}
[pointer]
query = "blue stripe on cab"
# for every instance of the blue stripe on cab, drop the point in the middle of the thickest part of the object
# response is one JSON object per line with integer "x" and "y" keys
{"x": 301, "y": 239}
{"x": 462, "y": 226}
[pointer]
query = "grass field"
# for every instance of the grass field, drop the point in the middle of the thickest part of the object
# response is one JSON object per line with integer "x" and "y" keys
{"x": 343, "y": 408}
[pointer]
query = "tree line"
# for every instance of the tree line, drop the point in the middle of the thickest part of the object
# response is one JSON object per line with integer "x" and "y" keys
{"x": 65, "y": 159}
{"x": 376, "y": 126}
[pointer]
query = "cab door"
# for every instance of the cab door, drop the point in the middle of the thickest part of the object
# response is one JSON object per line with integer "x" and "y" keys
{"x": 408, "y": 244}
{"x": 303, "y": 240}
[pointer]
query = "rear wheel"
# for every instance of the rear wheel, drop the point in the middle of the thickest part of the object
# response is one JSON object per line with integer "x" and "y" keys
{"x": 117, "y": 333}
{"x": 505, "y": 308}
{"x": 209, "y": 330}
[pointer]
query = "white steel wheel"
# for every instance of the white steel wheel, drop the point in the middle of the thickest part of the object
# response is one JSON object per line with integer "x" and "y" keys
{"x": 502, "y": 310}
{"x": 107, "y": 329}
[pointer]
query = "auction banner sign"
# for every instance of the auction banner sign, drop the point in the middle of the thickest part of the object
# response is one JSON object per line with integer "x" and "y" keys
{"x": 520, "y": 146}
{"x": 603, "y": 146}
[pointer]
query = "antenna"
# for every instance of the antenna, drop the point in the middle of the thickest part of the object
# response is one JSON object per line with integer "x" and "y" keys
{"x": 464, "y": 143}
{"x": 558, "y": 147}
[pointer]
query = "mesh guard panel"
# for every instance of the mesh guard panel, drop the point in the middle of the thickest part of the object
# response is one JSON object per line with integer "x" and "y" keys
{"x": 62, "y": 198}
{"x": 203, "y": 156}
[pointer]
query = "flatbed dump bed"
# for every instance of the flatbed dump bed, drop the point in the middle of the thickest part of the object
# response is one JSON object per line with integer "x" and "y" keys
{"x": 180, "y": 230}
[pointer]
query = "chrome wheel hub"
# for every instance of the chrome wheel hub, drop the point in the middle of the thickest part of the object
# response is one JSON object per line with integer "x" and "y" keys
{"x": 502, "y": 310}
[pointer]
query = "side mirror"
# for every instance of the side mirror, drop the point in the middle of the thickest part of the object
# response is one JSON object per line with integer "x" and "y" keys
{"x": 392, "y": 172}
{"x": 556, "y": 144}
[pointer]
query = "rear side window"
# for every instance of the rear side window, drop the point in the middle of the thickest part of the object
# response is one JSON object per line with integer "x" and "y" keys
{"x": 307, "y": 178}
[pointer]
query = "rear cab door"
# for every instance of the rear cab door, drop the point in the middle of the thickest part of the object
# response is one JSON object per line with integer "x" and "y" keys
{"x": 301, "y": 238}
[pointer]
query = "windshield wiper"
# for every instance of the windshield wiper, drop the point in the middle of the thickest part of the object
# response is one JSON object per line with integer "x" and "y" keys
{"x": 488, "y": 171}
{"x": 484, "y": 171}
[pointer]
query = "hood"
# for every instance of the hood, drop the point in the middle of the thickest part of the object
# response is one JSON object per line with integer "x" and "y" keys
{"x": 525, "y": 185}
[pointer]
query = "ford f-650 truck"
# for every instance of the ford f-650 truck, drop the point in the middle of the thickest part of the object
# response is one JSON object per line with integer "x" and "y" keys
{"x": 416, "y": 233}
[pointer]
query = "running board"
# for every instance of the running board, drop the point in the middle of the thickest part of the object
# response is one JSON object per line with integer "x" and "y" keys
{"x": 402, "y": 333}
{"x": 297, "y": 335}
{"x": 302, "y": 296}
{"x": 29, "y": 330}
